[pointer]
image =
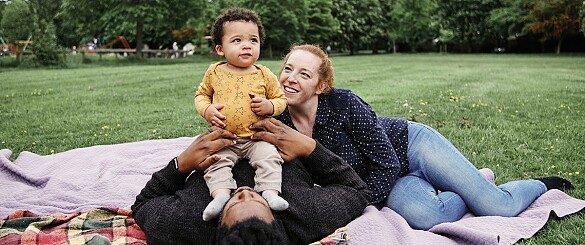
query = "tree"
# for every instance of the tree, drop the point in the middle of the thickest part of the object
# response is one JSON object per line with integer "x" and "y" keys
{"x": 284, "y": 22}
{"x": 509, "y": 19}
{"x": 416, "y": 21}
{"x": 360, "y": 22}
{"x": 391, "y": 22}
{"x": 3, "y": 4}
{"x": 554, "y": 19}
{"x": 582, "y": 16}
{"x": 45, "y": 48}
{"x": 131, "y": 18}
{"x": 13, "y": 25}
{"x": 322, "y": 25}
{"x": 466, "y": 19}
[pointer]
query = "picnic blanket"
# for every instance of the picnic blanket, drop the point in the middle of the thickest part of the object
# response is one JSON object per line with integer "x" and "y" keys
{"x": 83, "y": 181}
{"x": 97, "y": 226}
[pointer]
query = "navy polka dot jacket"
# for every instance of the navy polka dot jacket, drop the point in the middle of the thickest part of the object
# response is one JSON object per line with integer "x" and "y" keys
{"x": 374, "y": 147}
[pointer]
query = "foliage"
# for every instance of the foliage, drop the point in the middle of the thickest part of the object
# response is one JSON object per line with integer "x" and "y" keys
{"x": 284, "y": 21}
{"x": 45, "y": 48}
{"x": 13, "y": 24}
{"x": 554, "y": 19}
{"x": 416, "y": 21}
{"x": 3, "y": 4}
{"x": 465, "y": 18}
{"x": 323, "y": 27}
{"x": 108, "y": 19}
{"x": 360, "y": 23}
{"x": 509, "y": 19}
{"x": 582, "y": 16}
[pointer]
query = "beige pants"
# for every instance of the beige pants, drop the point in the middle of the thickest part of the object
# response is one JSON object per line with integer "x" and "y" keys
{"x": 263, "y": 157}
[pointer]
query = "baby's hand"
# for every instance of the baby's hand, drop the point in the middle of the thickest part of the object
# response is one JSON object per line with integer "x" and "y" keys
{"x": 261, "y": 106}
{"x": 213, "y": 116}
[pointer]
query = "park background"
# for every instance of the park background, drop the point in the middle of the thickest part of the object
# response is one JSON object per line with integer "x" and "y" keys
{"x": 54, "y": 27}
{"x": 489, "y": 75}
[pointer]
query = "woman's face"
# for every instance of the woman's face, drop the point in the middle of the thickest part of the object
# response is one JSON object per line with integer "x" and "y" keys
{"x": 299, "y": 78}
{"x": 246, "y": 203}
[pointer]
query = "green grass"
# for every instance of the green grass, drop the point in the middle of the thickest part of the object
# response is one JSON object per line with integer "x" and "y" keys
{"x": 521, "y": 115}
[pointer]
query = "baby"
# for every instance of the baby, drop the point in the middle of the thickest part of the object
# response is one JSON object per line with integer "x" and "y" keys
{"x": 244, "y": 92}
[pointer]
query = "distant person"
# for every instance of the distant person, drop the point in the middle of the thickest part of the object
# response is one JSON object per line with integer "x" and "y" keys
{"x": 175, "y": 50}
{"x": 234, "y": 94}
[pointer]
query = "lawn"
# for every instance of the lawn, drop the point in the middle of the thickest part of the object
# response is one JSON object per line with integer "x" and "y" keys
{"x": 521, "y": 115}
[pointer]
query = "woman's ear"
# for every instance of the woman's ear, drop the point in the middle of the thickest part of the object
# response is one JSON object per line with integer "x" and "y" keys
{"x": 321, "y": 87}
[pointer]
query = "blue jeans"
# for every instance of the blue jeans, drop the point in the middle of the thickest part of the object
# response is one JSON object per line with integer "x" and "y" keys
{"x": 435, "y": 164}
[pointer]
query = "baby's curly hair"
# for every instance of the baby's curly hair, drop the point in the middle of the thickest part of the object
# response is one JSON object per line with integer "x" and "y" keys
{"x": 235, "y": 14}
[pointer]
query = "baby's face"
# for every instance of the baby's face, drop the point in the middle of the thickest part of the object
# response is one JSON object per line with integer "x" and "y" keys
{"x": 240, "y": 43}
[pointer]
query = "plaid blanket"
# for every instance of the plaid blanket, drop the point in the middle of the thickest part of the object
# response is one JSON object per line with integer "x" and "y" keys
{"x": 95, "y": 226}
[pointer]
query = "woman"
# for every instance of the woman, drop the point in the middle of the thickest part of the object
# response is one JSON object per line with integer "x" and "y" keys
{"x": 169, "y": 207}
{"x": 404, "y": 163}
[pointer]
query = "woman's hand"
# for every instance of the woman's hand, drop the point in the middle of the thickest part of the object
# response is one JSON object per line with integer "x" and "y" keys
{"x": 290, "y": 143}
{"x": 199, "y": 155}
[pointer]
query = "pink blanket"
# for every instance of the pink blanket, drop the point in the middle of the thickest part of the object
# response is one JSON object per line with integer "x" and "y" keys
{"x": 387, "y": 227}
{"x": 112, "y": 175}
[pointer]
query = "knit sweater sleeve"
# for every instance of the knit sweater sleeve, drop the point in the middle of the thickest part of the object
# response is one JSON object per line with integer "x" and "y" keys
{"x": 328, "y": 196}
{"x": 204, "y": 94}
{"x": 273, "y": 92}
{"x": 169, "y": 208}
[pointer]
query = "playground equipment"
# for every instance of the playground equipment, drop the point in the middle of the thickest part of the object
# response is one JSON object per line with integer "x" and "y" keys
{"x": 7, "y": 48}
{"x": 115, "y": 40}
{"x": 4, "y": 48}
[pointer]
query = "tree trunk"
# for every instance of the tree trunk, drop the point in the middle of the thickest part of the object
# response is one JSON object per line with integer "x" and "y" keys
{"x": 139, "y": 29}
{"x": 270, "y": 50}
{"x": 413, "y": 45}
{"x": 393, "y": 46}
{"x": 559, "y": 45}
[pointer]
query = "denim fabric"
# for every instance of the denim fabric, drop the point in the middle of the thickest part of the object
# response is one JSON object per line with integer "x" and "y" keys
{"x": 435, "y": 164}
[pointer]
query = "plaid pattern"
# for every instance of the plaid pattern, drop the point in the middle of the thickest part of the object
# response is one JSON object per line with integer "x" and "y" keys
{"x": 96, "y": 226}
{"x": 338, "y": 237}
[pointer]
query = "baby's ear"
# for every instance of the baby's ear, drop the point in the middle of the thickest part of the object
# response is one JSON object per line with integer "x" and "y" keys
{"x": 219, "y": 50}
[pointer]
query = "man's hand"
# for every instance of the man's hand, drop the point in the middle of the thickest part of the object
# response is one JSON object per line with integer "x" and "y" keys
{"x": 213, "y": 116}
{"x": 261, "y": 106}
{"x": 290, "y": 143}
{"x": 199, "y": 155}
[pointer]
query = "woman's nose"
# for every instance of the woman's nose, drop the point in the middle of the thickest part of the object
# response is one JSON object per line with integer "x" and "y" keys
{"x": 292, "y": 78}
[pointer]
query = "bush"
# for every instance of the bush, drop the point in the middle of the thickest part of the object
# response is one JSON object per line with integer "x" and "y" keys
{"x": 45, "y": 48}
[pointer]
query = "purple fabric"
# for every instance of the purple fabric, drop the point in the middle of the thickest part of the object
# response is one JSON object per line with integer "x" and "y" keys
{"x": 386, "y": 227}
{"x": 84, "y": 178}
{"x": 112, "y": 176}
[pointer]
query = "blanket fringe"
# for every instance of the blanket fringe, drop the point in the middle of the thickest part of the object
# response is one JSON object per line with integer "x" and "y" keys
{"x": 336, "y": 238}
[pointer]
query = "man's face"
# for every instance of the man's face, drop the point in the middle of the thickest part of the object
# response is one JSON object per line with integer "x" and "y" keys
{"x": 246, "y": 203}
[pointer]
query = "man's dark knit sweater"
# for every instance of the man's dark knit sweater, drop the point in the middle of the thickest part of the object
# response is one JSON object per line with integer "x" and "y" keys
{"x": 170, "y": 207}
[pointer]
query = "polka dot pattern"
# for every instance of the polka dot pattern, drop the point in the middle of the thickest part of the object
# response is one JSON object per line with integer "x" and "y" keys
{"x": 374, "y": 147}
